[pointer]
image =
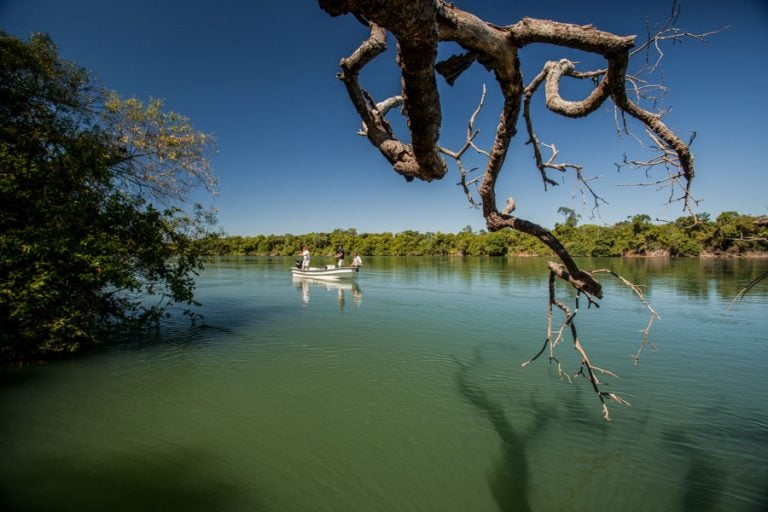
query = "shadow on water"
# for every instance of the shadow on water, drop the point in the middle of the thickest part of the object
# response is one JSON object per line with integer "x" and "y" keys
{"x": 763, "y": 505}
{"x": 182, "y": 332}
{"x": 706, "y": 447}
{"x": 179, "y": 480}
{"x": 508, "y": 480}
{"x": 703, "y": 480}
{"x": 17, "y": 375}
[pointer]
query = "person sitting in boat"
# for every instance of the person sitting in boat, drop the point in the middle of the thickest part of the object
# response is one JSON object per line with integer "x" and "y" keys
{"x": 305, "y": 256}
{"x": 339, "y": 256}
{"x": 357, "y": 261}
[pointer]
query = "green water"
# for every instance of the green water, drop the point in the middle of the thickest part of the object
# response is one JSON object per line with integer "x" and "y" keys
{"x": 404, "y": 392}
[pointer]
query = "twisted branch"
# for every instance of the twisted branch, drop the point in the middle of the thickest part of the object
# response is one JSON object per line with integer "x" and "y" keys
{"x": 419, "y": 25}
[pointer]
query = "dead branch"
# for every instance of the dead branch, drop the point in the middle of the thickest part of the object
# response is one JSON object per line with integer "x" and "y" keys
{"x": 586, "y": 368}
{"x": 420, "y": 25}
{"x": 739, "y": 296}
{"x": 457, "y": 155}
{"x": 743, "y": 238}
{"x": 532, "y": 138}
{"x": 653, "y": 315}
{"x": 676, "y": 179}
{"x": 383, "y": 108}
{"x": 672, "y": 152}
{"x": 377, "y": 129}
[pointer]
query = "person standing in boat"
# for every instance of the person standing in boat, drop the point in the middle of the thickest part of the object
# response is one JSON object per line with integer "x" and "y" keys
{"x": 340, "y": 256}
{"x": 305, "y": 256}
{"x": 357, "y": 261}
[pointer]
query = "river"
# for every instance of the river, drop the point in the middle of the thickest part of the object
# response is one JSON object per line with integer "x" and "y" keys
{"x": 404, "y": 391}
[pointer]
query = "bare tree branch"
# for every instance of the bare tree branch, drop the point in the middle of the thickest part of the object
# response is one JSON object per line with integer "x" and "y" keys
{"x": 420, "y": 25}
{"x": 653, "y": 315}
{"x": 586, "y": 368}
{"x": 739, "y": 296}
{"x": 457, "y": 155}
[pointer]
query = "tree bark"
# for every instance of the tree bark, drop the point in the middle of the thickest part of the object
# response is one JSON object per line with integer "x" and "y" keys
{"x": 419, "y": 25}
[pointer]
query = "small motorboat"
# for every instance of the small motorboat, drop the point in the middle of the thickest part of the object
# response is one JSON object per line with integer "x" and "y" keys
{"x": 329, "y": 272}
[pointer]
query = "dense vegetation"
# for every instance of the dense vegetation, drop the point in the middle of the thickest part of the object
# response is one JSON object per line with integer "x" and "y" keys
{"x": 730, "y": 234}
{"x": 90, "y": 239}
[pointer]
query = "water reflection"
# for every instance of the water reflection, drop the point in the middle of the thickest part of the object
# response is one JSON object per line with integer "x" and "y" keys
{"x": 340, "y": 287}
{"x": 692, "y": 277}
{"x": 697, "y": 278}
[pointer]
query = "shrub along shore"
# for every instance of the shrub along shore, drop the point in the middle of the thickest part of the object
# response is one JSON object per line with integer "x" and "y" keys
{"x": 731, "y": 234}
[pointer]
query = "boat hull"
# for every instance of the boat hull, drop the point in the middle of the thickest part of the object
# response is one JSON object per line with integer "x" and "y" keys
{"x": 328, "y": 274}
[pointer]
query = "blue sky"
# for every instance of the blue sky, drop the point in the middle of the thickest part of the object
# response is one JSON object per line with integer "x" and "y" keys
{"x": 261, "y": 77}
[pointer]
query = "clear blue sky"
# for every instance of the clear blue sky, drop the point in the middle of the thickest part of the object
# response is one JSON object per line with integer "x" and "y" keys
{"x": 260, "y": 76}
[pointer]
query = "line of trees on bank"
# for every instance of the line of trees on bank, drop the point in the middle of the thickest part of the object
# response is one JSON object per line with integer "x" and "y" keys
{"x": 730, "y": 234}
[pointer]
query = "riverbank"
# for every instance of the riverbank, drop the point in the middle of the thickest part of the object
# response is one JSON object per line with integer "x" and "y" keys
{"x": 730, "y": 235}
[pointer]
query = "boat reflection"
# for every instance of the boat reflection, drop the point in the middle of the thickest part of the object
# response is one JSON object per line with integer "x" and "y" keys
{"x": 341, "y": 287}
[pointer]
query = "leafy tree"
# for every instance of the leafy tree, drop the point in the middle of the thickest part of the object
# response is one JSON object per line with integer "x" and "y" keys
{"x": 90, "y": 239}
{"x": 734, "y": 233}
{"x": 464, "y": 240}
{"x": 343, "y": 238}
{"x": 406, "y": 243}
{"x": 440, "y": 244}
{"x": 571, "y": 217}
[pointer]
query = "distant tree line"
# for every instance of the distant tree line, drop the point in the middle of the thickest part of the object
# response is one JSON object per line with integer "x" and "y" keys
{"x": 730, "y": 234}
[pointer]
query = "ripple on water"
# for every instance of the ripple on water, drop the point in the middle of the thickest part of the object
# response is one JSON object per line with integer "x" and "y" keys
{"x": 412, "y": 398}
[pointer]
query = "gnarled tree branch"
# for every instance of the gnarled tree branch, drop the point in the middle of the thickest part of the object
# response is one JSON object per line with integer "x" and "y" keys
{"x": 419, "y": 26}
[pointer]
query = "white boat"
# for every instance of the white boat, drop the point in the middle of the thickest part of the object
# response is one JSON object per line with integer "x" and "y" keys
{"x": 328, "y": 273}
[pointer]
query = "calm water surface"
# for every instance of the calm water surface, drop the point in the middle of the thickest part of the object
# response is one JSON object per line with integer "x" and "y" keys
{"x": 404, "y": 392}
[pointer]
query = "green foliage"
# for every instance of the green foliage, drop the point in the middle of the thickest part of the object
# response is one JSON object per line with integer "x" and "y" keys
{"x": 571, "y": 217}
{"x": 84, "y": 245}
{"x": 732, "y": 233}
{"x": 161, "y": 154}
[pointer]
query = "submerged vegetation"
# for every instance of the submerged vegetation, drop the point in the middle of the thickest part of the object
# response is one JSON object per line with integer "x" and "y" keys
{"x": 730, "y": 234}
